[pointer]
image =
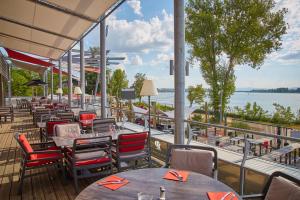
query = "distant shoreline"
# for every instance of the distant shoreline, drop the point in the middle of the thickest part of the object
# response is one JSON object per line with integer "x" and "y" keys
{"x": 296, "y": 91}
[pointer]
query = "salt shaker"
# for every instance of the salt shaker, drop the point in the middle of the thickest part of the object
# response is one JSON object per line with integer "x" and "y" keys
{"x": 162, "y": 195}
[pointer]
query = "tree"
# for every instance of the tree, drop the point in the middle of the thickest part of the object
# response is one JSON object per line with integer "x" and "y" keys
{"x": 138, "y": 84}
{"x": 225, "y": 33}
{"x": 196, "y": 94}
{"x": 283, "y": 115}
{"x": 117, "y": 82}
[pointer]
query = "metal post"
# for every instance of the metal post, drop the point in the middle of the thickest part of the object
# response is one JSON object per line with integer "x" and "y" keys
{"x": 2, "y": 99}
{"x": 70, "y": 86}
{"x": 44, "y": 87}
{"x": 46, "y": 81}
{"x": 52, "y": 83}
{"x": 221, "y": 106}
{"x": 59, "y": 79}
{"x": 179, "y": 52}
{"x": 103, "y": 68}
{"x": 82, "y": 74}
{"x": 9, "y": 84}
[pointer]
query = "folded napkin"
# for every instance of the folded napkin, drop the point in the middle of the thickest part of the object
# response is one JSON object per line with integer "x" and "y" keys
{"x": 220, "y": 195}
{"x": 113, "y": 186}
{"x": 171, "y": 176}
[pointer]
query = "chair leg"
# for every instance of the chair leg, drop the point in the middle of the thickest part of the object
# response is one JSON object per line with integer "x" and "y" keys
{"x": 21, "y": 179}
{"x": 75, "y": 180}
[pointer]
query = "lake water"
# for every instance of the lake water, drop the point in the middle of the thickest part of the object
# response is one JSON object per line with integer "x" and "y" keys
{"x": 265, "y": 100}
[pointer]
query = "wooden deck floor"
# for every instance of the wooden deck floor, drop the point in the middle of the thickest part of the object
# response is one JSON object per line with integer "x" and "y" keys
{"x": 48, "y": 185}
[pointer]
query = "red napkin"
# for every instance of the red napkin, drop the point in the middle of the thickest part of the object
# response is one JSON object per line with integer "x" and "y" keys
{"x": 113, "y": 186}
{"x": 220, "y": 195}
{"x": 171, "y": 176}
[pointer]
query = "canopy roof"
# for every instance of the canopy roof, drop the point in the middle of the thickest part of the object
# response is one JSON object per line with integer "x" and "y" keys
{"x": 48, "y": 28}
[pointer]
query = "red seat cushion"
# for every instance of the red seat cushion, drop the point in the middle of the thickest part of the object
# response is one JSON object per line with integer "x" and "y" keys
{"x": 132, "y": 142}
{"x": 94, "y": 161}
{"x": 50, "y": 126}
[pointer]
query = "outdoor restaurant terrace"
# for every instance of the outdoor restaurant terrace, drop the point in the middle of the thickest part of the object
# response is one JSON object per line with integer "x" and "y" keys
{"x": 88, "y": 147}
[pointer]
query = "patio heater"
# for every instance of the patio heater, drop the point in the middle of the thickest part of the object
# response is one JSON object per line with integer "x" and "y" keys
{"x": 78, "y": 92}
{"x": 59, "y": 92}
{"x": 149, "y": 90}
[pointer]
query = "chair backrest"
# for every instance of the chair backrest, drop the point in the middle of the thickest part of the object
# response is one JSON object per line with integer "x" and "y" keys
{"x": 103, "y": 125}
{"x": 87, "y": 115}
{"x": 50, "y": 126}
{"x": 282, "y": 186}
{"x": 132, "y": 143}
{"x": 193, "y": 158}
{"x": 66, "y": 116}
{"x": 86, "y": 149}
{"x": 67, "y": 130}
{"x": 25, "y": 145}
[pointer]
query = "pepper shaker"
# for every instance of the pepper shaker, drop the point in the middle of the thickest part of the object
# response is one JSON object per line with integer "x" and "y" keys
{"x": 162, "y": 195}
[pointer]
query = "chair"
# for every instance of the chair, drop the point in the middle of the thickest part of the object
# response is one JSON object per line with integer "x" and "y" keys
{"x": 131, "y": 147}
{"x": 66, "y": 116}
{"x": 89, "y": 157}
{"x": 199, "y": 159}
{"x": 49, "y": 132}
{"x": 67, "y": 130}
{"x": 33, "y": 157}
{"x": 103, "y": 125}
{"x": 8, "y": 112}
{"x": 279, "y": 186}
{"x": 89, "y": 116}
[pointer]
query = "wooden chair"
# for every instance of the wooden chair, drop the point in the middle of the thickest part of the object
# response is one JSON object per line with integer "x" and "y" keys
{"x": 131, "y": 147}
{"x": 89, "y": 157}
{"x": 199, "y": 159}
{"x": 37, "y": 155}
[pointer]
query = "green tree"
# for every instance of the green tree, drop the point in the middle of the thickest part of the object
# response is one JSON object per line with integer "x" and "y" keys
{"x": 196, "y": 94}
{"x": 117, "y": 82}
{"x": 138, "y": 84}
{"x": 283, "y": 115}
{"x": 225, "y": 33}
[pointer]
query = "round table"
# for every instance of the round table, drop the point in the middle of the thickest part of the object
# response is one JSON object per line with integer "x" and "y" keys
{"x": 149, "y": 181}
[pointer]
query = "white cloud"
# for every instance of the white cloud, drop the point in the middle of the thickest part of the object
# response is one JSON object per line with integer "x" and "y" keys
{"x": 136, "y": 60}
{"x": 136, "y": 6}
{"x": 141, "y": 36}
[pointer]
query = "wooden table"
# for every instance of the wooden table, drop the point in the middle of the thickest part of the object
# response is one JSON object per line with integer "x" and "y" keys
{"x": 68, "y": 141}
{"x": 149, "y": 180}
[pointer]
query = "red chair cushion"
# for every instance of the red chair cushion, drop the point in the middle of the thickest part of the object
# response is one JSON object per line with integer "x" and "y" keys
{"x": 133, "y": 142}
{"x": 91, "y": 162}
{"x": 50, "y": 126}
{"x": 87, "y": 116}
{"x": 25, "y": 143}
{"x": 43, "y": 156}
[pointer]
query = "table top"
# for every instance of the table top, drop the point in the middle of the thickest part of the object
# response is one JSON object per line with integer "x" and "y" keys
{"x": 68, "y": 141}
{"x": 149, "y": 181}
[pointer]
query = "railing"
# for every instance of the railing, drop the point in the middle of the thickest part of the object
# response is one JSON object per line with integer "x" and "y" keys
{"x": 209, "y": 132}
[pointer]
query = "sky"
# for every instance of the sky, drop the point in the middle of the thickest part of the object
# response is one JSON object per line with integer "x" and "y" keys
{"x": 142, "y": 32}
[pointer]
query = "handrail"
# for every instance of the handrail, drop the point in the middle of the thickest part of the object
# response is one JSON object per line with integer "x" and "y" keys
{"x": 217, "y": 126}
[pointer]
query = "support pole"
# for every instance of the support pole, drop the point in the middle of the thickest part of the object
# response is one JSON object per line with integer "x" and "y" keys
{"x": 9, "y": 84}
{"x": 82, "y": 74}
{"x": 103, "y": 68}
{"x": 51, "y": 83}
{"x": 2, "y": 99}
{"x": 179, "y": 52}
{"x": 70, "y": 85}
{"x": 46, "y": 81}
{"x": 59, "y": 80}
